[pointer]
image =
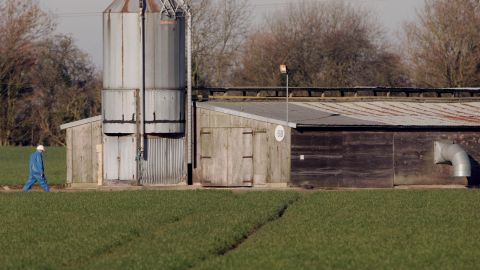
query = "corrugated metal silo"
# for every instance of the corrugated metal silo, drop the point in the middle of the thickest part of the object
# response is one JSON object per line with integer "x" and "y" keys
{"x": 164, "y": 68}
{"x": 158, "y": 91}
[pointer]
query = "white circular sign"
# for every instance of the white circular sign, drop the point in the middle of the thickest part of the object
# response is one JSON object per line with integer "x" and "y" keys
{"x": 279, "y": 133}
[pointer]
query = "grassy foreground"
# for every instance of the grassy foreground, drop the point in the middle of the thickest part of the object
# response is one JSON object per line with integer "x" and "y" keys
{"x": 14, "y": 165}
{"x": 128, "y": 230}
{"x": 435, "y": 229}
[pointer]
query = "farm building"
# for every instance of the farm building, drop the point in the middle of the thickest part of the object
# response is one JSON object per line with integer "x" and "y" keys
{"x": 333, "y": 144}
{"x": 155, "y": 130}
{"x": 86, "y": 155}
{"x": 362, "y": 144}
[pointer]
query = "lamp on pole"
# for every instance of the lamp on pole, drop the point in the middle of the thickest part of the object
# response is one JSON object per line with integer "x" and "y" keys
{"x": 284, "y": 70}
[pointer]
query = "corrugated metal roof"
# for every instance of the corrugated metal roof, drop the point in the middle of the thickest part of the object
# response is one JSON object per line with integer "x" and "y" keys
{"x": 353, "y": 114}
{"x": 81, "y": 122}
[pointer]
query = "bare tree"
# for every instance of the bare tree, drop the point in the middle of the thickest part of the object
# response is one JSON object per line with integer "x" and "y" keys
{"x": 66, "y": 88}
{"x": 443, "y": 44}
{"x": 219, "y": 29}
{"x": 22, "y": 24}
{"x": 45, "y": 80}
{"x": 262, "y": 55}
{"x": 324, "y": 44}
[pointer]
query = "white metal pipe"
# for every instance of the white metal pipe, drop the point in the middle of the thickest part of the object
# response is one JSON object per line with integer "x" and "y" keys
{"x": 459, "y": 159}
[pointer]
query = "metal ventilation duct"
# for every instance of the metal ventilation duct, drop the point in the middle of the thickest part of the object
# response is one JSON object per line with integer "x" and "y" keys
{"x": 447, "y": 151}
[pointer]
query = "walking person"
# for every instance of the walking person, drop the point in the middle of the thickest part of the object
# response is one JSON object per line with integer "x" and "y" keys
{"x": 37, "y": 171}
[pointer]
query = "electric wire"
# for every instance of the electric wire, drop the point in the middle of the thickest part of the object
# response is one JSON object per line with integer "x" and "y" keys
{"x": 255, "y": 5}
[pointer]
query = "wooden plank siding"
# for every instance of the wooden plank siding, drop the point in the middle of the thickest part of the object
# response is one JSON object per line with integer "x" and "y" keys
{"x": 227, "y": 157}
{"x": 342, "y": 159}
{"x": 271, "y": 159}
{"x": 212, "y": 159}
{"x": 69, "y": 142}
{"x": 414, "y": 155}
{"x": 82, "y": 158}
{"x": 377, "y": 159}
{"x": 97, "y": 138}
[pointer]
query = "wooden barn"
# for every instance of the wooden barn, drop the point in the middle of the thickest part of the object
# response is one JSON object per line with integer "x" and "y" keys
{"x": 376, "y": 144}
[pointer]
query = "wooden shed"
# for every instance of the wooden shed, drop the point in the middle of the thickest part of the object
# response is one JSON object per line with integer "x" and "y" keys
{"x": 332, "y": 144}
{"x": 84, "y": 152}
{"x": 234, "y": 150}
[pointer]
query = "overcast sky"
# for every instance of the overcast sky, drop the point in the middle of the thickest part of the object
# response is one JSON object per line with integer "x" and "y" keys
{"x": 83, "y": 20}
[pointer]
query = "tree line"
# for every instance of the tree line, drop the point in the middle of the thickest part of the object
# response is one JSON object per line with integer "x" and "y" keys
{"x": 46, "y": 80}
{"x": 340, "y": 44}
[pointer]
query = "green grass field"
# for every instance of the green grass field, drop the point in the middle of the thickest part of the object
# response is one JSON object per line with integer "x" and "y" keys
{"x": 434, "y": 229}
{"x": 14, "y": 165}
{"x": 128, "y": 230}
{"x": 208, "y": 229}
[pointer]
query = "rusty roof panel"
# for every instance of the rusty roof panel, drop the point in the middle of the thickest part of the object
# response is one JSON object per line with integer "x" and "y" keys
{"x": 357, "y": 114}
{"x": 406, "y": 113}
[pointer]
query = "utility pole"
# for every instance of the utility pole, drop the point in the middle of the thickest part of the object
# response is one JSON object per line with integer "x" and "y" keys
{"x": 284, "y": 70}
{"x": 189, "y": 96}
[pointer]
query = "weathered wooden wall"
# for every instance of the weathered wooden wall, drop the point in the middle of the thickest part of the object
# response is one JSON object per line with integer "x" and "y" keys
{"x": 271, "y": 159}
{"x": 377, "y": 158}
{"x": 414, "y": 155}
{"x": 82, "y": 157}
{"x": 342, "y": 159}
{"x": 226, "y": 156}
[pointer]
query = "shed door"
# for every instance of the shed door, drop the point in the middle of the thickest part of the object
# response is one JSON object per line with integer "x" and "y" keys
{"x": 110, "y": 158}
{"x": 240, "y": 157}
{"x": 226, "y": 156}
{"x": 126, "y": 162}
{"x": 119, "y": 158}
{"x": 214, "y": 157}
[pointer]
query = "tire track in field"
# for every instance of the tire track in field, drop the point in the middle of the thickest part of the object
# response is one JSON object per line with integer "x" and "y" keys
{"x": 134, "y": 234}
{"x": 277, "y": 216}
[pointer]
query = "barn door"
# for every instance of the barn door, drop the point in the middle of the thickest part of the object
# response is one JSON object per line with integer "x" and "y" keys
{"x": 213, "y": 157}
{"x": 119, "y": 158}
{"x": 226, "y": 157}
{"x": 240, "y": 157}
{"x": 126, "y": 162}
{"x": 110, "y": 158}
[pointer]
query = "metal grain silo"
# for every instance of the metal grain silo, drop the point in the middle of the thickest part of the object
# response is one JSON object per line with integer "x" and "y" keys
{"x": 144, "y": 92}
{"x": 164, "y": 68}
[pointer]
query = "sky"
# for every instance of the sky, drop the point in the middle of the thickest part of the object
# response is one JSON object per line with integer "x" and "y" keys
{"x": 82, "y": 19}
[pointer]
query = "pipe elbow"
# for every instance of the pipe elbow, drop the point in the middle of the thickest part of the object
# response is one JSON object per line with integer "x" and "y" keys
{"x": 459, "y": 159}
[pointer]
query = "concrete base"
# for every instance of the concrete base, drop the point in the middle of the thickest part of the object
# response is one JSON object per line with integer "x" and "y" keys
{"x": 82, "y": 186}
{"x": 431, "y": 187}
{"x": 276, "y": 185}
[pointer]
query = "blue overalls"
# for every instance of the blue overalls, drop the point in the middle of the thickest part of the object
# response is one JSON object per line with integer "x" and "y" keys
{"x": 37, "y": 173}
